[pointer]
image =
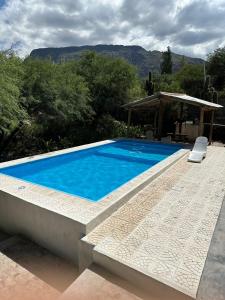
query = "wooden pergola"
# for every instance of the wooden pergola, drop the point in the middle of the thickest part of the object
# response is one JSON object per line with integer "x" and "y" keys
{"x": 158, "y": 101}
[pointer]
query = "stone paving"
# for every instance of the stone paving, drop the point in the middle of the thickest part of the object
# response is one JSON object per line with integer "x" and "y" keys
{"x": 17, "y": 283}
{"x": 164, "y": 232}
{"x": 48, "y": 267}
{"x": 30, "y": 272}
{"x": 91, "y": 286}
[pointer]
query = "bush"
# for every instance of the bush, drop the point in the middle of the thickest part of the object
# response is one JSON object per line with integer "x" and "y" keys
{"x": 108, "y": 127}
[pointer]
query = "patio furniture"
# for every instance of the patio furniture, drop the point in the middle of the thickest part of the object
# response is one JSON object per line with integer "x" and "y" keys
{"x": 149, "y": 135}
{"x": 199, "y": 150}
{"x": 166, "y": 139}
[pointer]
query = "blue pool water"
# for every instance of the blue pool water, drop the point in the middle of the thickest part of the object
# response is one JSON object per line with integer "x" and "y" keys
{"x": 93, "y": 173}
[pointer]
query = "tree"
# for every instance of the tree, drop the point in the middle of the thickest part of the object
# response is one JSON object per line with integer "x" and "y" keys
{"x": 182, "y": 61}
{"x": 191, "y": 79}
{"x": 12, "y": 114}
{"x": 111, "y": 81}
{"x": 167, "y": 64}
{"x": 216, "y": 68}
{"x": 167, "y": 83}
{"x": 66, "y": 104}
{"x": 55, "y": 95}
{"x": 11, "y": 74}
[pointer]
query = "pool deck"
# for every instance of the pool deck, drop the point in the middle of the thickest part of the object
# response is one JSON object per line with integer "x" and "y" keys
{"x": 160, "y": 238}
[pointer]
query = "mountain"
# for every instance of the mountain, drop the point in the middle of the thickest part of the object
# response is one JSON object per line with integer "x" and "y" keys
{"x": 144, "y": 60}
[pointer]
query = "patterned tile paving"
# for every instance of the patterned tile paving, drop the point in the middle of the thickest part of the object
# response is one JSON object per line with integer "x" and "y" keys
{"x": 171, "y": 223}
{"x": 134, "y": 211}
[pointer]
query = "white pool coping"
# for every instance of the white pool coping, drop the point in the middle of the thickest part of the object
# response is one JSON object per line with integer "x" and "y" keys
{"x": 58, "y": 220}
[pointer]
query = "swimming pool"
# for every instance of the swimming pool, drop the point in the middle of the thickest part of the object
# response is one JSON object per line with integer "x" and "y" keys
{"x": 95, "y": 172}
{"x": 58, "y": 197}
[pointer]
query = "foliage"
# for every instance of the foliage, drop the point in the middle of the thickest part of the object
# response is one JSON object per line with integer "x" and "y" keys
{"x": 55, "y": 96}
{"x": 65, "y": 103}
{"x": 11, "y": 74}
{"x": 167, "y": 64}
{"x": 191, "y": 79}
{"x": 79, "y": 101}
{"x": 108, "y": 127}
{"x": 167, "y": 83}
{"x": 216, "y": 68}
{"x": 112, "y": 82}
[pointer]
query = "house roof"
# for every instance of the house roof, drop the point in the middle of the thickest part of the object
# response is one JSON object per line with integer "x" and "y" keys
{"x": 154, "y": 100}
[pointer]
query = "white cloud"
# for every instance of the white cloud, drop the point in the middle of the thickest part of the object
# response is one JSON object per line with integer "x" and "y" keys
{"x": 192, "y": 27}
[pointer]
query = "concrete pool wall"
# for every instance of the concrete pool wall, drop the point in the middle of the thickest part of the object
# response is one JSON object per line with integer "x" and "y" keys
{"x": 57, "y": 220}
{"x": 51, "y": 230}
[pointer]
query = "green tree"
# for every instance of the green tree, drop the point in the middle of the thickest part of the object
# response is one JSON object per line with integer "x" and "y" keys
{"x": 12, "y": 114}
{"x": 216, "y": 68}
{"x": 191, "y": 79}
{"x": 55, "y": 96}
{"x": 111, "y": 81}
{"x": 167, "y": 64}
{"x": 11, "y": 75}
{"x": 167, "y": 83}
{"x": 66, "y": 104}
{"x": 182, "y": 61}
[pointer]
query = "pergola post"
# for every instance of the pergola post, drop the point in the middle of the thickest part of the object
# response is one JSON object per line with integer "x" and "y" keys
{"x": 211, "y": 127}
{"x": 160, "y": 119}
{"x": 181, "y": 116}
{"x": 201, "y": 122}
{"x": 129, "y": 121}
{"x": 155, "y": 123}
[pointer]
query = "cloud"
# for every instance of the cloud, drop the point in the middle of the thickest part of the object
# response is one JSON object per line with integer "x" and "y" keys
{"x": 203, "y": 14}
{"x": 191, "y": 37}
{"x": 193, "y": 27}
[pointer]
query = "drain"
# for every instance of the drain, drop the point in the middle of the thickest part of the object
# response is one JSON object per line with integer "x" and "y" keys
{"x": 22, "y": 187}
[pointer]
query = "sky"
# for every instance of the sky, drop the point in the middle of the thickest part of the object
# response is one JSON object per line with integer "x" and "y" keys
{"x": 189, "y": 27}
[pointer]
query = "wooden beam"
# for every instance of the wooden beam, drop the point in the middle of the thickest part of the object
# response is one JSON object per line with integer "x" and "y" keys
{"x": 129, "y": 121}
{"x": 201, "y": 122}
{"x": 211, "y": 127}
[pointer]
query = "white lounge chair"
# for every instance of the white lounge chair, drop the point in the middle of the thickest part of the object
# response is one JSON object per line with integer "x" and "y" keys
{"x": 149, "y": 135}
{"x": 199, "y": 150}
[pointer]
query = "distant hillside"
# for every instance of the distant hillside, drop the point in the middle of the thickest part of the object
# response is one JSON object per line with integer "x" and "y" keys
{"x": 144, "y": 60}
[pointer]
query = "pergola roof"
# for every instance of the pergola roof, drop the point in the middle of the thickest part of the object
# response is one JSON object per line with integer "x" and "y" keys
{"x": 154, "y": 100}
